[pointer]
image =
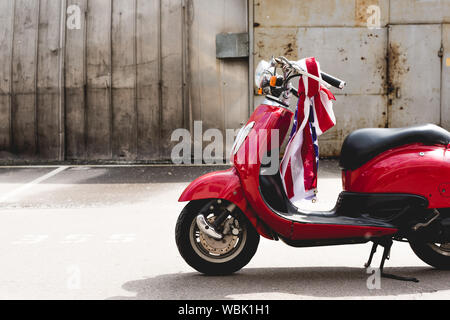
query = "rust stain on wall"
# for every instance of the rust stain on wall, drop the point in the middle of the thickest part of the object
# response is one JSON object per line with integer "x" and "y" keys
{"x": 292, "y": 13}
{"x": 273, "y": 13}
{"x": 397, "y": 65}
{"x": 276, "y": 42}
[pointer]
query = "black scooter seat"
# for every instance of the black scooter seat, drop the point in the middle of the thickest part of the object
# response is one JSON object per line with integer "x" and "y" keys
{"x": 363, "y": 145}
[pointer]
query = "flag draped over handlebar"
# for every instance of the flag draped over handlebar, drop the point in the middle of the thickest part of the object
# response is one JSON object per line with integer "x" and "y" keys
{"x": 313, "y": 117}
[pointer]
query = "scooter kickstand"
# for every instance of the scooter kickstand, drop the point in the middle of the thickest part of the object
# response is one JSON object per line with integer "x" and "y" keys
{"x": 372, "y": 253}
{"x": 386, "y": 255}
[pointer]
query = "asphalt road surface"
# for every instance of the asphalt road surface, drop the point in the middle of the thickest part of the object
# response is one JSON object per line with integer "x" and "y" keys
{"x": 108, "y": 233}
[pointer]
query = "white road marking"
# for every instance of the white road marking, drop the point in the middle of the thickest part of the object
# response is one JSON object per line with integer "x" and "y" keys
{"x": 31, "y": 239}
{"x": 122, "y": 238}
{"x": 76, "y": 238}
{"x": 79, "y": 238}
{"x": 27, "y": 186}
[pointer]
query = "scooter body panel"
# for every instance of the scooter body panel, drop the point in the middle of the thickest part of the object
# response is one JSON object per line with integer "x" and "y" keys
{"x": 308, "y": 231}
{"x": 267, "y": 118}
{"x": 412, "y": 169}
{"x": 247, "y": 161}
{"x": 216, "y": 185}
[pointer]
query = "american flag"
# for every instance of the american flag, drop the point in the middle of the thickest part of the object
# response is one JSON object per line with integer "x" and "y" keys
{"x": 313, "y": 117}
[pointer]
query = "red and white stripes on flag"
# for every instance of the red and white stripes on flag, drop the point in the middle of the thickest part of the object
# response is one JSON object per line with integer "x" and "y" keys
{"x": 314, "y": 116}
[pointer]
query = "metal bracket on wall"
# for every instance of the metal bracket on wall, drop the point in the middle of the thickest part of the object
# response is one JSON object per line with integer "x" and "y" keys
{"x": 232, "y": 45}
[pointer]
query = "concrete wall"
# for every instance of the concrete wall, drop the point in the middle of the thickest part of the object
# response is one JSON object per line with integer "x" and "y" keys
{"x": 389, "y": 52}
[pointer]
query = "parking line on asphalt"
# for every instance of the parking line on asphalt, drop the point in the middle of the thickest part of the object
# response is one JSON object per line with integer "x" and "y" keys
{"x": 27, "y": 186}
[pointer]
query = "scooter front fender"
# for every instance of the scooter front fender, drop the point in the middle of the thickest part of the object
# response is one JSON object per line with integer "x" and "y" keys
{"x": 224, "y": 185}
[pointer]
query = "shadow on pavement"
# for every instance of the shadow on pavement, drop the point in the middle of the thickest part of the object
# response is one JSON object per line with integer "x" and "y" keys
{"x": 300, "y": 283}
{"x": 111, "y": 175}
{"x": 130, "y": 174}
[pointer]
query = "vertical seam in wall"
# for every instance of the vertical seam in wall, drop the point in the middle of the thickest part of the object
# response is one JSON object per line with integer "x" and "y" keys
{"x": 136, "y": 109}
{"x": 62, "y": 82}
{"x": 222, "y": 68}
{"x": 188, "y": 68}
{"x": 183, "y": 62}
{"x": 85, "y": 80}
{"x": 222, "y": 95}
{"x": 198, "y": 76}
{"x": 388, "y": 78}
{"x": 36, "y": 77}
{"x": 186, "y": 80}
{"x": 251, "y": 57}
{"x": 441, "y": 75}
{"x": 387, "y": 81}
{"x": 389, "y": 13}
{"x": 11, "y": 85}
{"x": 160, "y": 98}
{"x": 110, "y": 94}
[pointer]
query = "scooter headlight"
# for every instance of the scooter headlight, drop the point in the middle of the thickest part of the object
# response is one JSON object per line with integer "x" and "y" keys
{"x": 242, "y": 135}
{"x": 262, "y": 72}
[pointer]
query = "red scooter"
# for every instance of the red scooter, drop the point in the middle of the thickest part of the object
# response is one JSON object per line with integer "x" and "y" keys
{"x": 396, "y": 187}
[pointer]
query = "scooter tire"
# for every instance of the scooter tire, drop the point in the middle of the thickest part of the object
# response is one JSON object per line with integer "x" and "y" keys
{"x": 195, "y": 260}
{"x": 430, "y": 256}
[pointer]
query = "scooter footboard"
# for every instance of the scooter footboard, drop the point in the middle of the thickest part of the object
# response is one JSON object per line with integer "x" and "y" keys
{"x": 358, "y": 217}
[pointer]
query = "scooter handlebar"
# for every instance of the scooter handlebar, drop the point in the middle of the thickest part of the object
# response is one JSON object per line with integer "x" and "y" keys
{"x": 335, "y": 82}
{"x": 326, "y": 78}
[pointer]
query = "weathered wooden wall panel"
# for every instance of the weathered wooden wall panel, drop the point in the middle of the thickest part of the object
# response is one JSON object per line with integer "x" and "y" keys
{"x": 126, "y": 67}
{"x": 148, "y": 93}
{"x": 445, "y": 90}
{"x": 75, "y": 82}
{"x": 171, "y": 59}
{"x": 235, "y": 94}
{"x": 124, "y": 103}
{"x": 414, "y": 74}
{"x": 219, "y": 88}
{"x": 99, "y": 69}
{"x": 206, "y": 86}
{"x": 24, "y": 66}
{"x": 6, "y": 38}
{"x": 419, "y": 11}
{"x": 48, "y": 78}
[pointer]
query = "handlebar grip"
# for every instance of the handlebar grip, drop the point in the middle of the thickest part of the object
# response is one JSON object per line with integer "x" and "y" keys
{"x": 335, "y": 82}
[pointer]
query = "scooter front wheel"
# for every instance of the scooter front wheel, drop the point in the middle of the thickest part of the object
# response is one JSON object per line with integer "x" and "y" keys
{"x": 434, "y": 254}
{"x": 212, "y": 256}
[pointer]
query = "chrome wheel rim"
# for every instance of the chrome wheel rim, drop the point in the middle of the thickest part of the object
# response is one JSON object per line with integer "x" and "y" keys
{"x": 441, "y": 248}
{"x": 218, "y": 251}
